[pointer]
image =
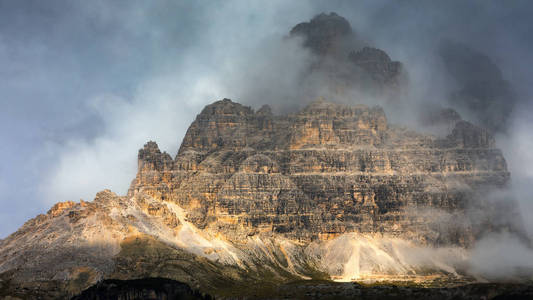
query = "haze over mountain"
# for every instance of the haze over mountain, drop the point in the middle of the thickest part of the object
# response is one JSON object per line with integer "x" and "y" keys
{"x": 330, "y": 192}
{"x": 322, "y": 183}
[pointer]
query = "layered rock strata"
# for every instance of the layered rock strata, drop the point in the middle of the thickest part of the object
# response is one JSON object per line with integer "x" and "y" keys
{"x": 329, "y": 192}
{"x": 321, "y": 172}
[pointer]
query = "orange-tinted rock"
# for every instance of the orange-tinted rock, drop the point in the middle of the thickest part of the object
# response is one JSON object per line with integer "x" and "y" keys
{"x": 59, "y": 208}
{"x": 323, "y": 171}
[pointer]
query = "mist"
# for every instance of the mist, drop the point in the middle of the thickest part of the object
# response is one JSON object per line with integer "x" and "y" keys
{"x": 84, "y": 85}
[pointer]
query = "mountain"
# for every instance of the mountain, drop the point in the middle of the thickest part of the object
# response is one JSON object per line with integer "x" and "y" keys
{"x": 324, "y": 171}
{"x": 255, "y": 203}
{"x": 151, "y": 288}
{"x": 482, "y": 90}
{"x": 344, "y": 63}
{"x": 332, "y": 191}
{"x": 326, "y": 34}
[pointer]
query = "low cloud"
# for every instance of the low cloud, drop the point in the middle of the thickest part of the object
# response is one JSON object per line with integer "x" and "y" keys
{"x": 501, "y": 256}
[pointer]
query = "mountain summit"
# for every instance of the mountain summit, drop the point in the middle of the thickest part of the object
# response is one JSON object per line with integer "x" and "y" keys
{"x": 325, "y": 33}
{"x": 332, "y": 191}
{"x": 254, "y": 200}
{"x": 346, "y": 63}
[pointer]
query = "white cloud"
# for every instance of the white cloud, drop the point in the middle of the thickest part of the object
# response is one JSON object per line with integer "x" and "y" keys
{"x": 167, "y": 101}
{"x": 161, "y": 111}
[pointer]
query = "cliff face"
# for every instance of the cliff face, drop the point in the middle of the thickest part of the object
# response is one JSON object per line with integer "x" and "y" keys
{"x": 332, "y": 191}
{"x": 326, "y": 34}
{"x": 344, "y": 63}
{"x": 324, "y": 171}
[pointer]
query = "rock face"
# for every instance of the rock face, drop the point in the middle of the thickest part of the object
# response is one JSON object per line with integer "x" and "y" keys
{"x": 254, "y": 199}
{"x": 330, "y": 192}
{"x": 325, "y": 33}
{"x": 150, "y": 289}
{"x": 345, "y": 62}
{"x": 324, "y": 171}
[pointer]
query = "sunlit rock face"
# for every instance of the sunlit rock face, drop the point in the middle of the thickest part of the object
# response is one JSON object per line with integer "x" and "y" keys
{"x": 327, "y": 170}
{"x": 329, "y": 192}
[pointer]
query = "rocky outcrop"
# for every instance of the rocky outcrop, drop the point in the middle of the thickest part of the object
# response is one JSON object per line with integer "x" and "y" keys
{"x": 345, "y": 63}
{"x": 330, "y": 192}
{"x": 378, "y": 66}
{"x": 253, "y": 200}
{"x": 467, "y": 135}
{"x": 151, "y": 159}
{"x": 324, "y": 171}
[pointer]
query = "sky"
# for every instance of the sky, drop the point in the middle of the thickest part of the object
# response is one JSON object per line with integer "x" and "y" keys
{"x": 84, "y": 84}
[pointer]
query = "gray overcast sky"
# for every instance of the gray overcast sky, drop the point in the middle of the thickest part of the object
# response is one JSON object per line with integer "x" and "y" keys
{"x": 83, "y": 84}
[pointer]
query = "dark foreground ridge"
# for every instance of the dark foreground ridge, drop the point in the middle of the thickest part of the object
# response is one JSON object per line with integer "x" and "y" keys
{"x": 333, "y": 290}
{"x": 147, "y": 288}
{"x": 160, "y": 288}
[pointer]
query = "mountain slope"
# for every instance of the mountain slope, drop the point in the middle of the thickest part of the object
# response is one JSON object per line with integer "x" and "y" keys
{"x": 332, "y": 191}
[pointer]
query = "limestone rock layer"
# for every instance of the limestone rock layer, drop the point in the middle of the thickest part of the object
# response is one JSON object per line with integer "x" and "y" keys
{"x": 329, "y": 192}
{"x": 326, "y": 170}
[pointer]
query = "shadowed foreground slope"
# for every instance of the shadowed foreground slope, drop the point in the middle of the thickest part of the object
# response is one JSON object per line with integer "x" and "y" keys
{"x": 148, "y": 289}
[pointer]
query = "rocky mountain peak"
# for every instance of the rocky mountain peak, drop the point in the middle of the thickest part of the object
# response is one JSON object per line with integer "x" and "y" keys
{"x": 324, "y": 33}
{"x": 59, "y": 207}
{"x": 225, "y": 107}
{"x": 468, "y": 135}
{"x": 378, "y": 64}
{"x": 251, "y": 193}
{"x": 332, "y": 191}
{"x": 150, "y": 149}
{"x": 234, "y": 161}
{"x": 151, "y": 158}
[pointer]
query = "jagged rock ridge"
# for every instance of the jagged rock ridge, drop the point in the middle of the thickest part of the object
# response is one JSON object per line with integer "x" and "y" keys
{"x": 345, "y": 62}
{"x": 325, "y": 33}
{"x": 321, "y": 172}
{"x": 332, "y": 191}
